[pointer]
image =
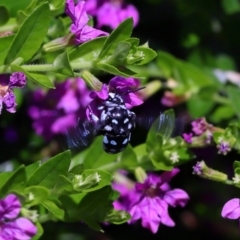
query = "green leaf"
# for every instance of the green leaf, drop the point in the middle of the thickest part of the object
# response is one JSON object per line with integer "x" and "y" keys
{"x": 54, "y": 209}
{"x": 62, "y": 64}
{"x": 142, "y": 157}
{"x": 121, "y": 33}
{"x": 88, "y": 51}
{"x": 30, "y": 169}
{"x": 30, "y": 35}
{"x": 90, "y": 207}
{"x": 147, "y": 53}
{"x": 188, "y": 76}
{"x": 4, "y": 176}
{"x": 4, "y": 15}
{"x": 234, "y": 96}
{"x": 222, "y": 113}
{"x": 96, "y": 157}
{"x": 199, "y": 107}
{"x": 120, "y": 54}
{"x": 231, "y": 6}
{"x": 120, "y": 70}
{"x": 160, "y": 162}
{"x": 15, "y": 183}
{"x": 14, "y": 6}
{"x": 5, "y": 43}
{"x": 77, "y": 169}
{"x": 128, "y": 159}
{"x": 36, "y": 77}
{"x": 63, "y": 186}
{"x": 48, "y": 174}
{"x": 39, "y": 193}
{"x": 236, "y": 164}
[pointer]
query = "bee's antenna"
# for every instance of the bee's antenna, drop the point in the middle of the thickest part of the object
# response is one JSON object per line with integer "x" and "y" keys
{"x": 135, "y": 90}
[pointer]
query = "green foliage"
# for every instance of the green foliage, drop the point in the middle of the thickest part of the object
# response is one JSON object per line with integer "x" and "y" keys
{"x": 30, "y": 35}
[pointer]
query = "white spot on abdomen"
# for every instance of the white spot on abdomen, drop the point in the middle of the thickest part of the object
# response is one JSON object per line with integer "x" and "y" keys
{"x": 125, "y": 141}
{"x": 115, "y": 121}
{"x": 113, "y": 142}
{"x": 105, "y": 140}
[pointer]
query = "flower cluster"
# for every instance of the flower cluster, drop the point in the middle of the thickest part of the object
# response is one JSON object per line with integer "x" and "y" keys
{"x": 200, "y": 127}
{"x": 80, "y": 19}
{"x": 7, "y": 83}
{"x": 53, "y": 112}
{"x": 111, "y": 12}
{"x": 14, "y": 227}
{"x": 149, "y": 201}
{"x": 118, "y": 85}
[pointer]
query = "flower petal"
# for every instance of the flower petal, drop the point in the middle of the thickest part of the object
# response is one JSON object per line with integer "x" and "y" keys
{"x": 176, "y": 197}
{"x": 10, "y": 207}
{"x": 20, "y": 229}
{"x": 17, "y": 79}
{"x": 123, "y": 84}
{"x": 231, "y": 209}
{"x": 102, "y": 94}
{"x": 10, "y": 102}
{"x": 166, "y": 176}
{"x": 88, "y": 33}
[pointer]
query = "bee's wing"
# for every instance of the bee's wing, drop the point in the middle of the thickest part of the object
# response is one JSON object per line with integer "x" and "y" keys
{"x": 166, "y": 124}
{"x": 81, "y": 136}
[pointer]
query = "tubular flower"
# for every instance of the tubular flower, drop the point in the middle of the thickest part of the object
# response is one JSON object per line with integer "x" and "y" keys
{"x": 79, "y": 26}
{"x": 7, "y": 83}
{"x": 12, "y": 226}
{"x": 111, "y": 12}
{"x": 58, "y": 109}
{"x": 149, "y": 201}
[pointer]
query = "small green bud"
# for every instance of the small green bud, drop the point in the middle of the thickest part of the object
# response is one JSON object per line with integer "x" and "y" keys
{"x": 91, "y": 80}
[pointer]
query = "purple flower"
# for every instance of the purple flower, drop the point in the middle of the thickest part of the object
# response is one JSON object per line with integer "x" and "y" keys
{"x": 231, "y": 209}
{"x": 7, "y": 83}
{"x": 12, "y": 226}
{"x": 111, "y": 12}
{"x": 53, "y": 112}
{"x": 223, "y": 147}
{"x": 119, "y": 85}
{"x": 199, "y": 126}
{"x": 188, "y": 137}
{"x": 149, "y": 201}
{"x": 197, "y": 169}
{"x": 79, "y": 26}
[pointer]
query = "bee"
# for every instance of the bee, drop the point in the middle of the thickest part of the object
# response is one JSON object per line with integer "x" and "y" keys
{"x": 115, "y": 123}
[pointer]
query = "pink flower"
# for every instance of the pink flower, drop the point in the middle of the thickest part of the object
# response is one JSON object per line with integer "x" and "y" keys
{"x": 199, "y": 126}
{"x": 55, "y": 111}
{"x": 7, "y": 83}
{"x": 12, "y": 226}
{"x": 149, "y": 201}
{"x": 188, "y": 137}
{"x": 231, "y": 209}
{"x": 79, "y": 27}
{"x": 111, "y": 12}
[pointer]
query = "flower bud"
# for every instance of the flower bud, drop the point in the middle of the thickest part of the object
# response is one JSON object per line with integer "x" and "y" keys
{"x": 202, "y": 170}
{"x": 59, "y": 43}
{"x": 91, "y": 80}
{"x": 140, "y": 174}
{"x": 82, "y": 182}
